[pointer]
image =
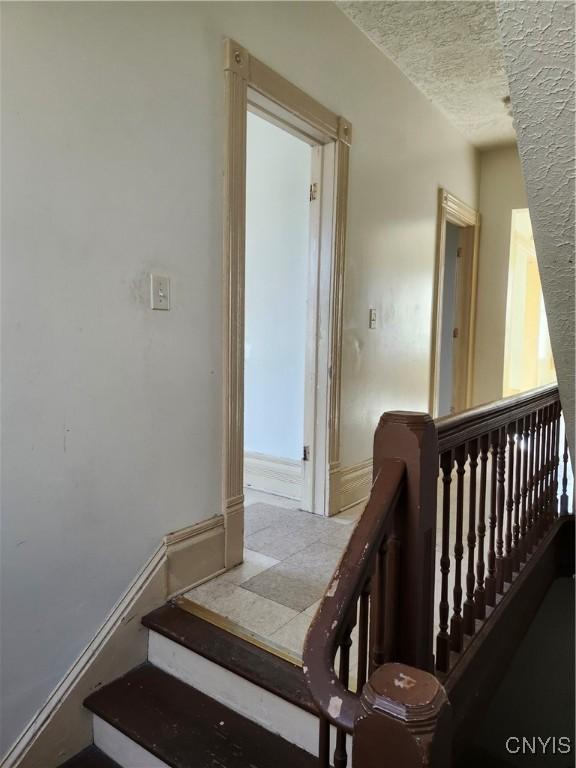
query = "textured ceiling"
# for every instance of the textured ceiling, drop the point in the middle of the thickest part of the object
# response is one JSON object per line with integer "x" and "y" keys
{"x": 540, "y": 41}
{"x": 452, "y": 52}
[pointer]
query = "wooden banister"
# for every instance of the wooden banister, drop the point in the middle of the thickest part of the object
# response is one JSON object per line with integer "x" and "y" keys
{"x": 474, "y": 423}
{"x": 330, "y": 625}
{"x": 500, "y": 466}
{"x": 412, "y": 436}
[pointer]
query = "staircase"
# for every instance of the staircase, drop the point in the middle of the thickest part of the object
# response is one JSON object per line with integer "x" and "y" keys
{"x": 205, "y": 699}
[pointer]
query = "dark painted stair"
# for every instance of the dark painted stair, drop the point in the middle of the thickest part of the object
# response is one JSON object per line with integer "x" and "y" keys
{"x": 260, "y": 667}
{"x": 186, "y": 728}
{"x": 90, "y": 758}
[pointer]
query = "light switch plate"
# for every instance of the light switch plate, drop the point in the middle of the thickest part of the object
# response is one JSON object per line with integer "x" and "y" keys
{"x": 159, "y": 292}
{"x": 372, "y": 319}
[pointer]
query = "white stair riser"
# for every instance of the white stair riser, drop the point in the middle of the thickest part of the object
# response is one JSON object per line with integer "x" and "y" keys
{"x": 262, "y": 707}
{"x": 121, "y": 748}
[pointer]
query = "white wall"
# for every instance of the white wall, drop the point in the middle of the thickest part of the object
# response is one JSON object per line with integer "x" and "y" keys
{"x": 112, "y": 136}
{"x": 278, "y": 168}
{"x": 501, "y": 191}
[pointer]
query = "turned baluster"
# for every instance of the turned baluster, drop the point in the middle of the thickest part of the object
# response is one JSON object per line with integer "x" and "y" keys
{"x": 551, "y": 461}
{"x": 340, "y": 754}
{"x": 546, "y": 469}
{"x": 517, "y": 497}
{"x": 469, "y": 610}
{"x": 524, "y": 489}
{"x": 508, "y": 564}
{"x": 323, "y": 743}
{"x": 490, "y": 582}
{"x": 556, "y": 458}
{"x": 564, "y": 496}
{"x": 536, "y": 496}
{"x": 443, "y": 638}
{"x": 530, "y": 534}
{"x": 377, "y": 612}
{"x": 362, "y": 673}
{"x": 552, "y": 503}
{"x": 500, "y": 502}
{"x": 479, "y": 594}
{"x": 456, "y": 633}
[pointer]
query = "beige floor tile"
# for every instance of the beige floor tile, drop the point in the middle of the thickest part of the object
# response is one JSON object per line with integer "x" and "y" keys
{"x": 299, "y": 580}
{"x": 262, "y": 616}
{"x": 249, "y": 610}
{"x": 281, "y": 541}
{"x": 254, "y": 563}
{"x": 292, "y": 634}
{"x": 312, "y": 609}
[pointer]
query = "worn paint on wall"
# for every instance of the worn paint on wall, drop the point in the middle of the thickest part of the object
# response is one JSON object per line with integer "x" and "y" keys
{"x": 539, "y": 40}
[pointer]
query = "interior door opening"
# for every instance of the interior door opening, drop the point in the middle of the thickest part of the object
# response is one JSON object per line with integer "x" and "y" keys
{"x": 450, "y": 332}
{"x": 453, "y": 314}
{"x": 281, "y": 310}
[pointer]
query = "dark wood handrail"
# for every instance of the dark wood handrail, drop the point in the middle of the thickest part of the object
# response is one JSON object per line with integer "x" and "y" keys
{"x": 475, "y": 422}
{"x": 508, "y": 452}
{"x": 334, "y": 700}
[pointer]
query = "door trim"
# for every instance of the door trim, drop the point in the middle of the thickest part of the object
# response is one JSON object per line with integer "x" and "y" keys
{"x": 244, "y": 73}
{"x": 454, "y": 211}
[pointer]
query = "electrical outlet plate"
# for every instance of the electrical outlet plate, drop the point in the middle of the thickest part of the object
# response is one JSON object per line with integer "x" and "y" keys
{"x": 159, "y": 292}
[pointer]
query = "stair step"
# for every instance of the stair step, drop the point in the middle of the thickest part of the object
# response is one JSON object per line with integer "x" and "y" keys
{"x": 91, "y": 757}
{"x": 255, "y": 664}
{"x": 169, "y": 723}
{"x": 247, "y": 679}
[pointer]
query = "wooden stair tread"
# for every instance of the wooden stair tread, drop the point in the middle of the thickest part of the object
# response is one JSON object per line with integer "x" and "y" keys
{"x": 233, "y": 653}
{"x": 186, "y": 728}
{"x": 91, "y": 757}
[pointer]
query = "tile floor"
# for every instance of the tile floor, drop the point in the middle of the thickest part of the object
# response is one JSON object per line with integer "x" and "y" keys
{"x": 288, "y": 561}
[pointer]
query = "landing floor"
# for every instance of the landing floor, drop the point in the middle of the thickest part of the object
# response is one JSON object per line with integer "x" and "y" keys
{"x": 289, "y": 558}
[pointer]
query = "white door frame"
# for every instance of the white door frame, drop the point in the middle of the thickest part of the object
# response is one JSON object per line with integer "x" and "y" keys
{"x": 247, "y": 78}
{"x": 315, "y": 420}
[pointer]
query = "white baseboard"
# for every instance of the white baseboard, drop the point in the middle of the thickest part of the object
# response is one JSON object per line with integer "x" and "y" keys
{"x": 62, "y": 727}
{"x": 283, "y": 477}
{"x": 355, "y": 484}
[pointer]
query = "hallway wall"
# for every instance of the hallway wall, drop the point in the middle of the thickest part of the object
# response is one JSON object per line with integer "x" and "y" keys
{"x": 112, "y": 136}
{"x": 501, "y": 190}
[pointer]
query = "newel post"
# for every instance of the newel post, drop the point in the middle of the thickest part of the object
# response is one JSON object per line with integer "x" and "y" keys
{"x": 413, "y": 438}
{"x": 404, "y": 720}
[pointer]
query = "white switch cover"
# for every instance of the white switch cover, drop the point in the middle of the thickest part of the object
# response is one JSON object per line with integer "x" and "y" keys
{"x": 372, "y": 319}
{"x": 159, "y": 292}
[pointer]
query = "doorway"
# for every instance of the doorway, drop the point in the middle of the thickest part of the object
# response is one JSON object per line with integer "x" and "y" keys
{"x": 281, "y": 308}
{"x": 454, "y": 306}
{"x": 254, "y": 90}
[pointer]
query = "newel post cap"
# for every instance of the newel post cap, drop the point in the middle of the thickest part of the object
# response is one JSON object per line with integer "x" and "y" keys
{"x": 404, "y": 693}
{"x": 404, "y": 714}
